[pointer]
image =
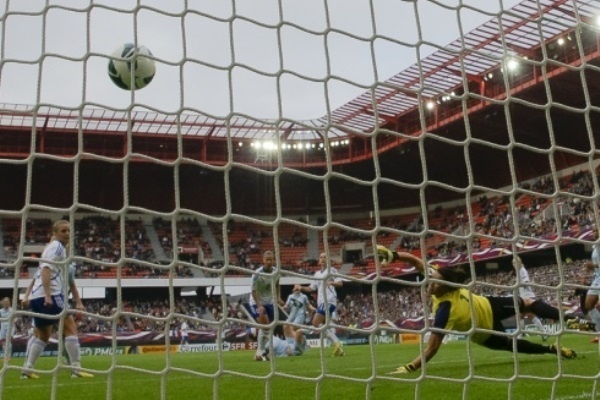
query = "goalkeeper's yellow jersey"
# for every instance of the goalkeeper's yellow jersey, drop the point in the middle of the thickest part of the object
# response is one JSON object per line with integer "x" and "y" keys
{"x": 459, "y": 310}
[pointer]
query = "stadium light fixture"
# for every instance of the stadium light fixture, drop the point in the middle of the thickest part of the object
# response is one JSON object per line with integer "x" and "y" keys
{"x": 430, "y": 105}
{"x": 512, "y": 65}
{"x": 270, "y": 146}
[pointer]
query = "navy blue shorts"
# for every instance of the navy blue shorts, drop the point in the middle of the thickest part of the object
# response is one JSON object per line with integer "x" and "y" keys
{"x": 326, "y": 311}
{"x": 269, "y": 311}
{"x": 37, "y": 305}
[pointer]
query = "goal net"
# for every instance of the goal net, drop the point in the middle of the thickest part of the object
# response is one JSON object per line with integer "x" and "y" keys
{"x": 459, "y": 133}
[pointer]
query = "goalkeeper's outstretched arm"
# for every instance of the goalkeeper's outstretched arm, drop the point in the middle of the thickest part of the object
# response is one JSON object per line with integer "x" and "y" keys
{"x": 386, "y": 256}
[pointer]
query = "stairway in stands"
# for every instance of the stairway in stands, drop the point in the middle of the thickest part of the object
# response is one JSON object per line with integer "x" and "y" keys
{"x": 159, "y": 252}
{"x": 217, "y": 253}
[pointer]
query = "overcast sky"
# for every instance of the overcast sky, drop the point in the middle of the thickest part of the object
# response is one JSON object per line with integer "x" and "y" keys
{"x": 287, "y": 63}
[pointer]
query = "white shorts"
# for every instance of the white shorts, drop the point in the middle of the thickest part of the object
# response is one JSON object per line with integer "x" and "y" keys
{"x": 595, "y": 289}
{"x": 526, "y": 293}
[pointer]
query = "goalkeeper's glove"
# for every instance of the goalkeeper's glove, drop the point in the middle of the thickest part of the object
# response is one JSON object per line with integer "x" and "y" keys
{"x": 405, "y": 369}
{"x": 385, "y": 255}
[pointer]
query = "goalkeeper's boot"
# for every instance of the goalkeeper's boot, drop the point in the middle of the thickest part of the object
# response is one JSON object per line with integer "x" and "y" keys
{"x": 573, "y": 323}
{"x": 581, "y": 325}
{"x": 587, "y": 326}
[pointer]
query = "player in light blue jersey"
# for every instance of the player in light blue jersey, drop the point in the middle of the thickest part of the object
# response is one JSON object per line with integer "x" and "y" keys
{"x": 264, "y": 298}
{"x": 47, "y": 298}
{"x": 5, "y": 328}
{"x": 591, "y": 299}
{"x": 294, "y": 344}
{"x": 297, "y": 305}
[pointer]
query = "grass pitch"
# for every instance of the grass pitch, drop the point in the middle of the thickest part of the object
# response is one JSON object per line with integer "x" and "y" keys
{"x": 361, "y": 374}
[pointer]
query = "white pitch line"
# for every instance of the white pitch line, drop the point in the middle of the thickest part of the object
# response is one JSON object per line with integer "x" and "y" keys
{"x": 583, "y": 395}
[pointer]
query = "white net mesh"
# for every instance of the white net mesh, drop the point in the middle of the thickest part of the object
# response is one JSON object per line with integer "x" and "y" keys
{"x": 461, "y": 154}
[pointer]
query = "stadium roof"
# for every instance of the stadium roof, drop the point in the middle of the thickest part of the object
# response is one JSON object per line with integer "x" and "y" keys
{"x": 513, "y": 33}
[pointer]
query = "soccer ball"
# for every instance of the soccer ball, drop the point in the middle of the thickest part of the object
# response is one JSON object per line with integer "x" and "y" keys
{"x": 126, "y": 59}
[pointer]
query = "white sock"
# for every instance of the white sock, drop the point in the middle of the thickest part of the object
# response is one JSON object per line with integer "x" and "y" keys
{"x": 330, "y": 333}
{"x": 521, "y": 328}
{"x": 29, "y": 342}
{"x": 538, "y": 323}
{"x": 595, "y": 317}
{"x": 35, "y": 351}
{"x": 73, "y": 351}
{"x": 262, "y": 340}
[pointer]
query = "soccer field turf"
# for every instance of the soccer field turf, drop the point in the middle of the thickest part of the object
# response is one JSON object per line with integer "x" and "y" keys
{"x": 360, "y": 374}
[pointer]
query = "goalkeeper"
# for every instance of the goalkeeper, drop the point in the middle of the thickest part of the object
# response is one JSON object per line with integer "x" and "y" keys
{"x": 452, "y": 312}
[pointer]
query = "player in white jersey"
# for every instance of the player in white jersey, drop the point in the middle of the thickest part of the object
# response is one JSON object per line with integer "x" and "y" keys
{"x": 47, "y": 298}
{"x": 591, "y": 299}
{"x": 325, "y": 282}
{"x": 5, "y": 327}
{"x": 264, "y": 298}
{"x": 183, "y": 330}
{"x": 525, "y": 291}
{"x": 296, "y": 305}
